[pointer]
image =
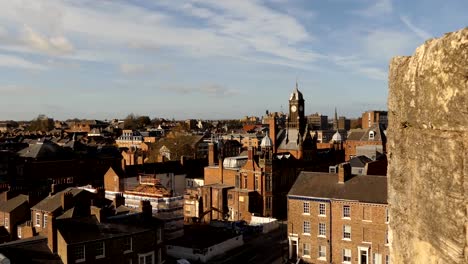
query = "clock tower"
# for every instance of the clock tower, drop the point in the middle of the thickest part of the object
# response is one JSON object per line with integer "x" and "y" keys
{"x": 296, "y": 117}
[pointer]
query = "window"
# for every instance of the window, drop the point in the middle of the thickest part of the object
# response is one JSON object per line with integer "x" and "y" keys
{"x": 347, "y": 255}
{"x": 147, "y": 258}
{"x": 245, "y": 182}
{"x": 346, "y": 211}
{"x": 306, "y": 249}
{"x": 19, "y": 231}
{"x": 306, "y": 208}
{"x": 387, "y": 217}
{"x": 6, "y": 222}
{"x": 386, "y": 237}
{"x": 377, "y": 258}
{"x": 100, "y": 250}
{"x": 44, "y": 221}
{"x": 268, "y": 183}
{"x": 306, "y": 227}
{"x": 79, "y": 253}
{"x": 256, "y": 183}
{"x": 387, "y": 259}
{"x": 269, "y": 200}
{"x": 38, "y": 219}
{"x": 332, "y": 169}
{"x": 322, "y": 229}
{"x": 322, "y": 209}
{"x": 347, "y": 232}
{"x": 127, "y": 244}
{"x": 323, "y": 252}
{"x": 238, "y": 181}
{"x": 159, "y": 235}
{"x": 371, "y": 134}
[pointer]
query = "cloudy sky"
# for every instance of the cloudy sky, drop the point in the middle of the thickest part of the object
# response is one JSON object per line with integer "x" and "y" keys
{"x": 206, "y": 59}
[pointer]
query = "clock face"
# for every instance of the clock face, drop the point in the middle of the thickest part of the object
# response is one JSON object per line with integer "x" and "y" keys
{"x": 293, "y": 108}
{"x": 301, "y": 108}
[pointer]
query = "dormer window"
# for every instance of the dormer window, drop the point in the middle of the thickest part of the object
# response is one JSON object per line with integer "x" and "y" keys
{"x": 371, "y": 134}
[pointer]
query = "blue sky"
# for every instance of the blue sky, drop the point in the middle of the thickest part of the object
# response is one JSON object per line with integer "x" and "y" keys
{"x": 206, "y": 59}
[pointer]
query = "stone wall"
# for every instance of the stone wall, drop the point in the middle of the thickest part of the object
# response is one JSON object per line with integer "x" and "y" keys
{"x": 428, "y": 152}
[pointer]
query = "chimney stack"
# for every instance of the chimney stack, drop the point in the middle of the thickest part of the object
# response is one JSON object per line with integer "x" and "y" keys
{"x": 211, "y": 154}
{"x": 146, "y": 209}
{"x": 250, "y": 153}
{"x": 344, "y": 172}
{"x": 119, "y": 200}
{"x": 67, "y": 200}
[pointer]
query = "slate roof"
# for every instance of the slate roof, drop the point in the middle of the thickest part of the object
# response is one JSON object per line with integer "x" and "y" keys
{"x": 29, "y": 250}
{"x": 363, "y": 188}
{"x": 54, "y": 202}
{"x": 359, "y": 161}
{"x": 363, "y": 135}
{"x": 41, "y": 149}
{"x": 13, "y": 203}
{"x": 77, "y": 230}
{"x": 290, "y": 139}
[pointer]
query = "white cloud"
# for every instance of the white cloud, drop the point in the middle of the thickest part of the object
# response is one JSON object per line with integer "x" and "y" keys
{"x": 376, "y": 8}
{"x": 424, "y": 35}
{"x": 51, "y": 45}
{"x": 361, "y": 66}
{"x": 210, "y": 89}
{"x": 382, "y": 45}
{"x": 10, "y": 61}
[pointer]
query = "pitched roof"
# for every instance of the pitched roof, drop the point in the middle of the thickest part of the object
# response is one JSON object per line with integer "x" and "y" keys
{"x": 13, "y": 203}
{"x": 54, "y": 202}
{"x": 41, "y": 149}
{"x": 359, "y": 161}
{"x": 77, "y": 230}
{"x": 363, "y": 188}
{"x": 29, "y": 250}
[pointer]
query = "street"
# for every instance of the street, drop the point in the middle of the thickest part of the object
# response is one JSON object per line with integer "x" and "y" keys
{"x": 263, "y": 249}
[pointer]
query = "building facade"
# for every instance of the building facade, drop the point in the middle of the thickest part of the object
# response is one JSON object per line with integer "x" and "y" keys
{"x": 333, "y": 219}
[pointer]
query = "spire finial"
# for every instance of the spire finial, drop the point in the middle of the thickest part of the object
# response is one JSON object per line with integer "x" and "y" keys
{"x": 296, "y": 84}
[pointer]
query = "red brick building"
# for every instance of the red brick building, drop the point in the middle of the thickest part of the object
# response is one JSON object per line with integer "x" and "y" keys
{"x": 372, "y": 136}
{"x": 337, "y": 218}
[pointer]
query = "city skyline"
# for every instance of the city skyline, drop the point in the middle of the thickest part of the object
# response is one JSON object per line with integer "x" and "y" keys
{"x": 206, "y": 59}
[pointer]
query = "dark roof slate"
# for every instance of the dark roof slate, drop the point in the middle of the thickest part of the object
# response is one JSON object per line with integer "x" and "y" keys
{"x": 54, "y": 202}
{"x": 363, "y": 188}
{"x": 13, "y": 203}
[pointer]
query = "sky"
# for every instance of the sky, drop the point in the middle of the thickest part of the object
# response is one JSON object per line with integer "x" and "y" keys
{"x": 207, "y": 59}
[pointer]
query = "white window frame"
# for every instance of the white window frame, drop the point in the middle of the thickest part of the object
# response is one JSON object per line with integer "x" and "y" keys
{"x": 322, "y": 253}
{"x": 376, "y": 258}
{"x": 103, "y": 255}
{"x": 387, "y": 259}
{"x": 306, "y": 228}
{"x": 346, "y": 232}
{"x": 19, "y": 233}
{"x": 84, "y": 254}
{"x": 346, "y": 212}
{"x": 306, "y": 208}
{"x": 140, "y": 256}
{"x": 44, "y": 220}
{"x": 6, "y": 223}
{"x": 322, "y": 230}
{"x": 387, "y": 242}
{"x": 38, "y": 219}
{"x": 126, "y": 250}
{"x": 306, "y": 247}
{"x": 322, "y": 209}
{"x": 346, "y": 256}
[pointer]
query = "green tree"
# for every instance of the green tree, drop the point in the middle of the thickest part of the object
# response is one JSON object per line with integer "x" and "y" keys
{"x": 41, "y": 123}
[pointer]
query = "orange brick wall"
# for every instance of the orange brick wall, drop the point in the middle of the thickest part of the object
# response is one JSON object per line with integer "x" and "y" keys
{"x": 334, "y": 221}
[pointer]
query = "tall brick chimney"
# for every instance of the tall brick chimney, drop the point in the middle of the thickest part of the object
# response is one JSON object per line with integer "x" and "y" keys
{"x": 344, "y": 172}
{"x": 146, "y": 209}
{"x": 211, "y": 154}
{"x": 67, "y": 200}
{"x": 119, "y": 200}
{"x": 51, "y": 233}
{"x": 250, "y": 153}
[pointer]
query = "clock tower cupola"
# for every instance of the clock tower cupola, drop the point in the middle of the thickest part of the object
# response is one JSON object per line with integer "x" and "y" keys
{"x": 296, "y": 117}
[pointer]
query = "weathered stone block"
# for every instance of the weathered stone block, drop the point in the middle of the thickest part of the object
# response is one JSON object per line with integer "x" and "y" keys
{"x": 428, "y": 157}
